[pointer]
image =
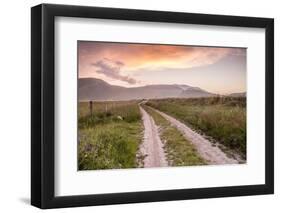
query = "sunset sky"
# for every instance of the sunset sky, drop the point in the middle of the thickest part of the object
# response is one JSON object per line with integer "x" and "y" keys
{"x": 217, "y": 70}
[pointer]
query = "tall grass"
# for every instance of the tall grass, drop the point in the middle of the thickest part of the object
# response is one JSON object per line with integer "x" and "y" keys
{"x": 223, "y": 119}
{"x": 109, "y": 146}
{"x": 109, "y": 137}
{"x": 106, "y": 112}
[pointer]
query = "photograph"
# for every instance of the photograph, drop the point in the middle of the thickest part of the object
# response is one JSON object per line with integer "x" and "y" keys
{"x": 140, "y": 105}
{"x": 160, "y": 105}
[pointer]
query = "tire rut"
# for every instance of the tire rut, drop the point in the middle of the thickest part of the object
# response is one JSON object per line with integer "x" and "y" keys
{"x": 206, "y": 149}
{"x": 152, "y": 146}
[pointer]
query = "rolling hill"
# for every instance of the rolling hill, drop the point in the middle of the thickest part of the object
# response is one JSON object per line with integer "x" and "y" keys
{"x": 97, "y": 89}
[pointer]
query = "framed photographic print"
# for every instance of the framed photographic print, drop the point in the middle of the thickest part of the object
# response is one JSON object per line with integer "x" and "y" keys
{"x": 140, "y": 106}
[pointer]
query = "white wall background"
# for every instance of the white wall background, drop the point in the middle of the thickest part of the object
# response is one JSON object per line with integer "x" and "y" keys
{"x": 15, "y": 105}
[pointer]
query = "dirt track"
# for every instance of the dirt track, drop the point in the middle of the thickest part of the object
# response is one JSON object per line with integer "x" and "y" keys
{"x": 152, "y": 147}
{"x": 211, "y": 153}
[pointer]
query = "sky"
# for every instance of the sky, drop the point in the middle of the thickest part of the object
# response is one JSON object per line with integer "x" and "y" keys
{"x": 218, "y": 70}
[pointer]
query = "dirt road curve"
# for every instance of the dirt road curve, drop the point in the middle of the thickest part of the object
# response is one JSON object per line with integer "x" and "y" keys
{"x": 212, "y": 154}
{"x": 152, "y": 146}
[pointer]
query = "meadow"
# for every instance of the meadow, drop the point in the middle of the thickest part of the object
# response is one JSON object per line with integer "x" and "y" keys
{"x": 109, "y": 137}
{"x": 222, "y": 119}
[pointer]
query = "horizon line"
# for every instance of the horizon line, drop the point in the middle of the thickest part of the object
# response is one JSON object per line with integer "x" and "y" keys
{"x": 216, "y": 93}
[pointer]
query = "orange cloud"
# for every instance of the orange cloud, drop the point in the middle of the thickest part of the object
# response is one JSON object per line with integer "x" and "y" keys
{"x": 139, "y": 56}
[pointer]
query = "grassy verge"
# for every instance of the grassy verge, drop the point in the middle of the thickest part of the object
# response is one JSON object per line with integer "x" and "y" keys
{"x": 110, "y": 137}
{"x": 179, "y": 151}
{"x": 223, "y": 119}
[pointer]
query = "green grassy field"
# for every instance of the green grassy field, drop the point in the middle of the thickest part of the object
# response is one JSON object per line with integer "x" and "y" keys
{"x": 179, "y": 151}
{"x": 110, "y": 137}
{"x": 222, "y": 118}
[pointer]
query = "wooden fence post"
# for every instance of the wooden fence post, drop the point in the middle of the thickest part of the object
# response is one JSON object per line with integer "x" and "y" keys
{"x": 91, "y": 107}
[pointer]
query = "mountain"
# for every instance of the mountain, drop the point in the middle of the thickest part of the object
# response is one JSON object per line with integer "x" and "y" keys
{"x": 97, "y": 89}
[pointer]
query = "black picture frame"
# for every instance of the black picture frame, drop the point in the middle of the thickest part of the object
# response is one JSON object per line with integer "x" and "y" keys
{"x": 43, "y": 102}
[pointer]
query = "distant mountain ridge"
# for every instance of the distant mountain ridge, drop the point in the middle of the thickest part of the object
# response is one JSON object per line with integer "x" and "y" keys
{"x": 97, "y": 89}
{"x": 238, "y": 94}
